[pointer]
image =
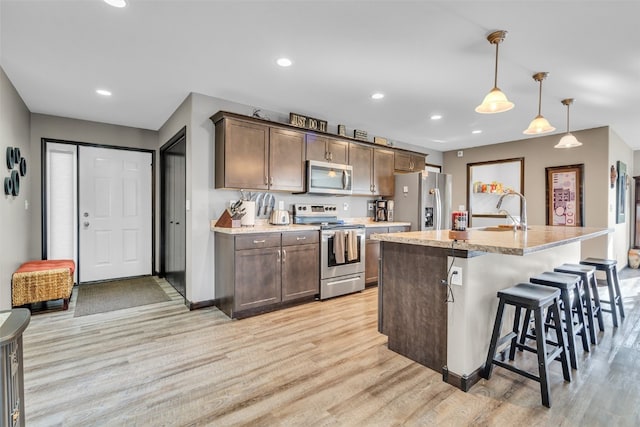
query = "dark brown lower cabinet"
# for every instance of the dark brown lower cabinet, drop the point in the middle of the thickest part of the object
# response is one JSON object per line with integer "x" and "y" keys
{"x": 372, "y": 252}
{"x": 300, "y": 271}
{"x": 257, "y": 278}
{"x": 255, "y": 273}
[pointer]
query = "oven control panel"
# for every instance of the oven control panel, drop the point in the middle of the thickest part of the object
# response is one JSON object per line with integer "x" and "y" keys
{"x": 309, "y": 209}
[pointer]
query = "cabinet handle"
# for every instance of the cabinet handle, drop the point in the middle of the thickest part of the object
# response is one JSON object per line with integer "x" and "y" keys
{"x": 284, "y": 255}
{"x": 326, "y": 155}
{"x": 266, "y": 180}
{"x": 301, "y": 238}
{"x": 270, "y": 180}
{"x": 330, "y": 156}
{"x": 279, "y": 255}
{"x": 255, "y": 242}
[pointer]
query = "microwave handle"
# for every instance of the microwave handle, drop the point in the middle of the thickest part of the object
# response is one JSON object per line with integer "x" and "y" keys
{"x": 345, "y": 180}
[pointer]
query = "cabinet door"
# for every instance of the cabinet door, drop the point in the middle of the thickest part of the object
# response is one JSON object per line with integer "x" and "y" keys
{"x": 286, "y": 160}
{"x": 371, "y": 262}
{"x": 417, "y": 162}
{"x": 402, "y": 161}
{"x": 338, "y": 151}
{"x": 317, "y": 148}
{"x": 383, "y": 180}
{"x": 361, "y": 158}
{"x": 300, "y": 271}
{"x": 257, "y": 278}
{"x": 246, "y": 148}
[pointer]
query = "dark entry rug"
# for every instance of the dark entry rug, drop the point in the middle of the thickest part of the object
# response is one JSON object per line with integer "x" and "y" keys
{"x": 118, "y": 294}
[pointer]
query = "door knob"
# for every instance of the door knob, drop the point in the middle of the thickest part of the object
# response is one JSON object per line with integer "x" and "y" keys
{"x": 86, "y": 223}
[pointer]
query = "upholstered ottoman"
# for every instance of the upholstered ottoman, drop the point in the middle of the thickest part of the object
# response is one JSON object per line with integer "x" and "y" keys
{"x": 43, "y": 280}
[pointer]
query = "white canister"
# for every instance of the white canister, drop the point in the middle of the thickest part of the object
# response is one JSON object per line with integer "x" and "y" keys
{"x": 249, "y": 218}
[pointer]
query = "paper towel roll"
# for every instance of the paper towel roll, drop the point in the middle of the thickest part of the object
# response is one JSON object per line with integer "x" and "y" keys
{"x": 249, "y": 218}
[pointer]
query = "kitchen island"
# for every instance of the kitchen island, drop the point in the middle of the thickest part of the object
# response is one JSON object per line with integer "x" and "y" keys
{"x": 447, "y": 327}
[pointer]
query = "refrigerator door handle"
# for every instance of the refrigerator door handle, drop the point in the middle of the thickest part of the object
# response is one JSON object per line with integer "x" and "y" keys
{"x": 438, "y": 211}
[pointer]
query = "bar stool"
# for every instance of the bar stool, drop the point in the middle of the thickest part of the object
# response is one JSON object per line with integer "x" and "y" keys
{"x": 570, "y": 297}
{"x": 591, "y": 296}
{"x": 609, "y": 266}
{"x": 537, "y": 299}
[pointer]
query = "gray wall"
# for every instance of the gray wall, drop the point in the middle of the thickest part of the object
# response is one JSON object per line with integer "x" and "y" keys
{"x": 599, "y": 151}
{"x": 14, "y": 218}
{"x": 207, "y": 203}
{"x": 52, "y": 127}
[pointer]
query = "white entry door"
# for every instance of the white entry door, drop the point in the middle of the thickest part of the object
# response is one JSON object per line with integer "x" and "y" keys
{"x": 114, "y": 213}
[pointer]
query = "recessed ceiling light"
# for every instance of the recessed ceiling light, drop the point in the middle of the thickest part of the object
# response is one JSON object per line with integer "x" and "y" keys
{"x": 103, "y": 92}
{"x": 476, "y": 131}
{"x": 436, "y": 117}
{"x": 377, "y": 95}
{"x": 284, "y": 62}
{"x": 116, "y": 3}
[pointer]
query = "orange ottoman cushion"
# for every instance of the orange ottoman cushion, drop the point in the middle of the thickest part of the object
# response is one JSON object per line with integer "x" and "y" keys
{"x": 47, "y": 264}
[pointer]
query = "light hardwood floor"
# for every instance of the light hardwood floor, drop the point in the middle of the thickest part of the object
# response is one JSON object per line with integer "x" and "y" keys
{"x": 322, "y": 363}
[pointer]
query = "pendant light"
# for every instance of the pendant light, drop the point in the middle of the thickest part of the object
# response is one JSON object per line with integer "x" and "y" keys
{"x": 496, "y": 101}
{"x": 568, "y": 140}
{"x": 539, "y": 125}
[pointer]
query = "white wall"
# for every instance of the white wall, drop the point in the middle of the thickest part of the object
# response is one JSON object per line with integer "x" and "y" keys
{"x": 15, "y": 228}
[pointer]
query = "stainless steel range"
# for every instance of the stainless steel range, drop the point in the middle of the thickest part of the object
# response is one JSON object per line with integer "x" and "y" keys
{"x": 342, "y": 249}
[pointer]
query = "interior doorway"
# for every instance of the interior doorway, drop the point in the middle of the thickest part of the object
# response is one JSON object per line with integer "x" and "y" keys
{"x": 173, "y": 164}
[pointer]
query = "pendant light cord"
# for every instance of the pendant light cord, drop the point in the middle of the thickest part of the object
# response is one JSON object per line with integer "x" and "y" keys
{"x": 495, "y": 75}
{"x": 540, "y": 99}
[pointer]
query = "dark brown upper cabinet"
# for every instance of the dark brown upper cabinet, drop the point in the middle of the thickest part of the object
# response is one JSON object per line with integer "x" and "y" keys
{"x": 327, "y": 149}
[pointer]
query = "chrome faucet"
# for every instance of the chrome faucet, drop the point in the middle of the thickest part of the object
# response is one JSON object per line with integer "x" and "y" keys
{"x": 523, "y": 208}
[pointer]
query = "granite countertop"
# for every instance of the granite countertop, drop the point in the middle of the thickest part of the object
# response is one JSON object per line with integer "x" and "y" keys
{"x": 263, "y": 226}
{"x": 537, "y": 238}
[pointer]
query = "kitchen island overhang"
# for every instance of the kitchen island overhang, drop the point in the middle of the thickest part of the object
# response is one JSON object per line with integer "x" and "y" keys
{"x": 448, "y": 327}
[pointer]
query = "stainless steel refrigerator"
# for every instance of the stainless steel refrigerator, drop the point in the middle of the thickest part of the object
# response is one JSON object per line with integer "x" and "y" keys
{"x": 424, "y": 199}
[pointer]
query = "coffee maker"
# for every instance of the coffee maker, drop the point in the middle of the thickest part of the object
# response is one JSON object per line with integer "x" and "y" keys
{"x": 383, "y": 210}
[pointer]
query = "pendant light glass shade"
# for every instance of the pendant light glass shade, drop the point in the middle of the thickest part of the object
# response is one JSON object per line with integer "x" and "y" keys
{"x": 568, "y": 140}
{"x": 539, "y": 125}
{"x": 496, "y": 101}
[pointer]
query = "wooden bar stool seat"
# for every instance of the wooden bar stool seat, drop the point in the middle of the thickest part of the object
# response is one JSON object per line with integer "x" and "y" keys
{"x": 571, "y": 301}
{"x": 536, "y": 299}
{"x": 609, "y": 266}
{"x": 591, "y": 300}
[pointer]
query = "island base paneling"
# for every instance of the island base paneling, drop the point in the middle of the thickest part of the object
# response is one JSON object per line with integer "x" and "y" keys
{"x": 413, "y": 302}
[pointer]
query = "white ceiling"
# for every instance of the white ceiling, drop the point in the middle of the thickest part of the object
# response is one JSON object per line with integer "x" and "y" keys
{"x": 426, "y": 56}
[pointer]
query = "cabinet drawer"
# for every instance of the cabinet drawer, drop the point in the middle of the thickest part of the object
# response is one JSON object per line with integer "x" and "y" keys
{"x": 290, "y": 238}
{"x": 399, "y": 228}
{"x": 375, "y": 230}
{"x": 254, "y": 241}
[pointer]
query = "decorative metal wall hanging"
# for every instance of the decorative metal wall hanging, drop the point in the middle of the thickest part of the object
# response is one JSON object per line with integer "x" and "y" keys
{"x": 12, "y": 182}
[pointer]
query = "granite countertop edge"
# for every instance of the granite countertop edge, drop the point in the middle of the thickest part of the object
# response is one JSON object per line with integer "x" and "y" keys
{"x": 268, "y": 228}
{"x": 538, "y": 238}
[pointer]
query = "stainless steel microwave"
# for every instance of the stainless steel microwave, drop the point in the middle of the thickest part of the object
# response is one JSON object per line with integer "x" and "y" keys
{"x": 328, "y": 178}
